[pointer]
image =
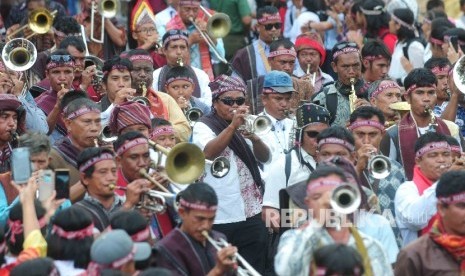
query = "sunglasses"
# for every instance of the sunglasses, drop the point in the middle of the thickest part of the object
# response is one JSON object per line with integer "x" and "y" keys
{"x": 312, "y": 133}
{"x": 269, "y": 27}
{"x": 63, "y": 58}
{"x": 230, "y": 101}
{"x": 346, "y": 45}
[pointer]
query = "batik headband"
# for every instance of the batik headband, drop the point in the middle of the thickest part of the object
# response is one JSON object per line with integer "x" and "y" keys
{"x": 55, "y": 64}
{"x": 324, "y": 183}
{"x": 363, "y": 123}
{"x": 440, "y": 70}
{"x": 290, "y": 52}
{"x": 81, "y": 111}
{"x": 130, "y": 144}
{"x": 142, "y": 235}
{"x": 345, "y": 50}
{"x": 175, "y": 37}
{"x": 436, "y": 41}
{"x": 164, "y": 130}
{"x": 373, "y": 58}
{"x": 189, "y": 3}
{"x": 432, "y": 146}
{"x": 456, "y": 149}
{"x": 382, "y": 88}
{"x": 336, "y": 141}
{"x": 228, "y": 88}
{"x": 170, "y": 80}
{"x": 93, "y": 161}
{"x": 376, "y": 10}
{"x": 116, "y": 67}
{"x": 141, "y": 57}
{"x": 197, "y": 206}
{"x": 453, "y": 198}
{"x": 269, "y": 18}
{"x": 414, "y": 86}
{"x": 73, "y": 235}
{"x": 16, "y": 227}
{"x": 403, "y": 23}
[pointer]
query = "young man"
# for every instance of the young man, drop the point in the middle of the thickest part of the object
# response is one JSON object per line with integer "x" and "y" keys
{"x": 296, "y": 247}
{"x": 161, "y": 104}
{"x": 376, "y": 61}
{"x": 383, "y": 93}
{"x": 347, "y": 64}
{"x": 399, "y": 140}
{"x": 440, "y": 67}
{"x": 437, "y": 253}
{"x": 176, "y": 50}
{"x": 201, "y": 55}
{"x": 186, "y": 251}
{"x": 97, "y": 168}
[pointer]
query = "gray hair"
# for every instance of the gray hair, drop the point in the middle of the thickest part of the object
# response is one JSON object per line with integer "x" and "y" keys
{"x": 36, "y": 142}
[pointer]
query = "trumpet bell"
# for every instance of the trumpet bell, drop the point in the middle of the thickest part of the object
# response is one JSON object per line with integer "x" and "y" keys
{"x": 345, "y": 199}
{"x": 379, "y": 166}
{"x": 185, "y": 163}
{"x": 19, "y": 54}
{"x": 458, "y": 74}
{"x": 219, "y": 167}
{"x": 193, "y": 115}
{"x": 106, "y": 135}
{"x": 262, "y": 125}
{"x": 41, "y": 20}
{"x": 108, "y": 8}
{"x": 142, "y": 100}
{"x": 218, "y": 25}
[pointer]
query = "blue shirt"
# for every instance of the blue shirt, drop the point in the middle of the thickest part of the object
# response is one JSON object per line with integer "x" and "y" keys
{"x": 195, "y": 51}
{"x": 259, "y": 63}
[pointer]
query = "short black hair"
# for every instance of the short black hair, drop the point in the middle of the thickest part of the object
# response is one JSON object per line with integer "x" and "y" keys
{"x": 452, "y": 141}
{"x": 427, "y": 138}
{"x": 338, "y": 259}
{"x": 137, "y": 52}
{"x": 71, "y": 96}
{"x": 128, "y": 136}
{"x": 439, "y": 26}
{"x": 116, "y": 60}
{"x": 199, "y": 192}
{"x": 179, "y": 71}
{"x": 284, "y": 42}
{"x": 421, "y": 77}
{"x": 459, "y": 33}
{"x": 431, "y": 15}
{"x": 89, "y": 153}
{"x": 130, "y": 221}
{"x": 156, "y": 122}
{"x": 451, "y": 183}
{"x": 367, "y": 112}
{"x": 67, "y": 25}
{"x": 406, "y": 15}
{"x": 266, "y": 10}
{"x": 375, "y": 47}
{"x": 437, "y": 62}
{"x": 432, "y": 4}
{"x": 336, "y": 132}
{"x": 74, "y": 41}
{"x": 325, "y": 171}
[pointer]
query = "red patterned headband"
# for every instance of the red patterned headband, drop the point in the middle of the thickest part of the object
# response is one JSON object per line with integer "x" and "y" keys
{"x": 336, "y": 141}
{"x": 141, "y": 57}
{"x": 363, "y": 123}
{"x": 189, "y": 3}
{"x": 164, "y": 130}
{"x": 170, "y": 80}
{"x": 122, "y": 261}
{"x": 197, "y": 206}
{"x": 16, "y": 227}
{"x": 290, "y": 52}
{"x": 382, "y": 88}
{"x": 81, "y": 111}
{"x": 116, "y": 67}
{"x": 54, "y": 64}
{"x": 269, "y": 18}
{"x": 373, "y": 58}
{"x": 452, "y": 199}
{"x": 73, "y": 235}
{"x": 456, "y": 149}
{"x": 440, "y": 70}
{"x": 436, "y": 41}
{"x": 129, "y": 145}
{"x": 141, "y": 236}
{"x": 93, "y": 161}
{"x": 324, "y": 183}
{"x": 414, "y": 87}
{"x": 175, "y": 37}
{"x": 345, "y": 51}
{"x": 432, "y": 146}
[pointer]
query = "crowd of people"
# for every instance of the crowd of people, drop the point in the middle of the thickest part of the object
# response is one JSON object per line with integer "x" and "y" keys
{"x": 318, "y": 137}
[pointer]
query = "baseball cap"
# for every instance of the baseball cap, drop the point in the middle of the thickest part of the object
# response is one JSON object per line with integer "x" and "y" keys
{"x": 278, "y": 81}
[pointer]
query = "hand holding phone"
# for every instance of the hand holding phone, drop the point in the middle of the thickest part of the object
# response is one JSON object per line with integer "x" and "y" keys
{"x": 46, "y": 184}
{"x": 62, "y": 183}
{"x": 21, "y": 167}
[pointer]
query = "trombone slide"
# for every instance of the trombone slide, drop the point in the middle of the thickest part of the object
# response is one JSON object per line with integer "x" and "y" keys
{"x": 144, "y": 173}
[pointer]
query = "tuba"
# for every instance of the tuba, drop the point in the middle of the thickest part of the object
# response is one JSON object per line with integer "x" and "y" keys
{"x": 107, "y": 9}
{"x": 39, "y": 22}
{"x": 19, "y": 54}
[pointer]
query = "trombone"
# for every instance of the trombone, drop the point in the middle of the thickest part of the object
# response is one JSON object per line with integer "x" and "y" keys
{"x": 107, "y": 9}
{"x": 247, "y": 269}
{"x": 39, "y": 22}
{"x": 218, "y": 26}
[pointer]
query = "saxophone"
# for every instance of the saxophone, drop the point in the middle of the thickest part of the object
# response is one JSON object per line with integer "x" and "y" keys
{"x": 352, "y": 95}
{"x": 433, "y": 124}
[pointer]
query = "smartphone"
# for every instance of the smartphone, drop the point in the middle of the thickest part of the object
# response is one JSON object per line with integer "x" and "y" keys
{"x": 62, "y": 183}
{"x": 21, "y": 167}
{"x": 46, "y": 184}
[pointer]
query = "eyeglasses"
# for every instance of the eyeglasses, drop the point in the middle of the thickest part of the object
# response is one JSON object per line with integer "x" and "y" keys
{"x": 147, "y": 30}
{"x": 63, "y": 58}
{"x": 312, "y": 133}
{"x": 269, "y": 27}
{"x": 344, "y": 45}
{"x": 230, "y": 101}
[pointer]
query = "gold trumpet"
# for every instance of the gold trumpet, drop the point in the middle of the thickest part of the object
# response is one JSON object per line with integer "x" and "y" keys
{"x": 39, "y": 22}
{"x": 143, "y": 86}
{"x": 352, "y": 95}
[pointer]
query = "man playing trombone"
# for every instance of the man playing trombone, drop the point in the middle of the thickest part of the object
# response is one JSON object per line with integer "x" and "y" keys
{"x": 186, "y": 250}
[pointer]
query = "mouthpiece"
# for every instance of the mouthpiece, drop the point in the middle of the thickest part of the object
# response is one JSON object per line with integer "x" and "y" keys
{"x": 62, "y": 86}
{"x": 112, "y": 186}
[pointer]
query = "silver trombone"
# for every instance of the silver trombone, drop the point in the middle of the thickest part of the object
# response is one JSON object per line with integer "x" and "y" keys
{"x": 107, "y": 9}
{"x": 218, "y": 26}
{"x": 247, "y": 269}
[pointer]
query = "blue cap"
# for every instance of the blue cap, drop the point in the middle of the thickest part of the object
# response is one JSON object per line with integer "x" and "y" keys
{"x": 279, "y": 81}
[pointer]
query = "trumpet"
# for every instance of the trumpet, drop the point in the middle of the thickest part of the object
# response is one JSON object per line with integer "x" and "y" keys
{"x": 143, "y": 87}
{"x": 352, "y": 95}
{"x": 245, "y": 269}
{"x": 193, "y": 114}
{"x": 345, "y": 199}
{"x": 218, "y": 26}
{"x": 39, "y": 22}
{"x": 90, "y": 60}
{"x": 220, "y": 166}
{"x": 107, "y": 9}
{"x": 379, "y": 166}
{"x": 106, "y": 136}
{"x": 432, "y": 125}
{"x": 179, "y": 61}
{"x": 155, "y": 201}
{"x": 259, "y": 125}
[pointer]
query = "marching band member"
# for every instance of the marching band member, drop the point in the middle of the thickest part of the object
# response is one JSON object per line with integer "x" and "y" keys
{"x": 383, "y": 93}
{"x": 130, "y": 116}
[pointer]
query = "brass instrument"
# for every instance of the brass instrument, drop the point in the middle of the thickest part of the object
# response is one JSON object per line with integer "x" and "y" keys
{"x": 143, "y": 87}
{"x": 259, "y": 125}
{"x": 308, "y": 68}
{"x": 90, "y": 60}
{"x": 107, "y": 9}
{"x": 352, "y": 95}
{"x": 19, "y": 54}
{"x": 179, "y": 61}
{"x": 219, "y": 166}
{"x": 432, "y": 125}
{"x": 193, "y": 114}
{"x": 379, "y": 166}
{"x": 218, "y": 26}
{"x": 402, "y": 108}
{"x": 155, "y": 201}
{"x": 39, "y": 22}
{"x": 345, "y": 199}
{"x": 106, "y": 136}
{"x": 143, "y": 100}
{"x": 185, "y": 162}
{"x": 458, "y": 74}
{"x": 292, "y": 133}
{"x": 245, "y": 269}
